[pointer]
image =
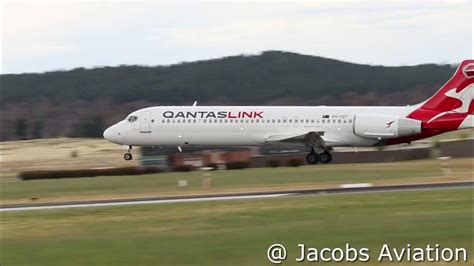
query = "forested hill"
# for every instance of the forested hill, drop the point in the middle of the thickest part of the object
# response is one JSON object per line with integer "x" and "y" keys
{"x": 238, "y": 79}
{"x": 271, "y": 78}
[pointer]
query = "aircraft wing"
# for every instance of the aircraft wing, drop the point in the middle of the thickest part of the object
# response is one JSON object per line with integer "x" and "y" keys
{"x": 311, "y": 139}
{"x": 285, "y": 138}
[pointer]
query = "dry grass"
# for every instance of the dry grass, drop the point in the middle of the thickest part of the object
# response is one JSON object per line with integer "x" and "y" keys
{"x": 46, "y": 154}
{"x": 455, "y": 135}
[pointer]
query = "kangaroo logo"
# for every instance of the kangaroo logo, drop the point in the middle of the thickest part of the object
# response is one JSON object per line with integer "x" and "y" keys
{"x": 389, "y": 124}
{"x": 465, "y": 96}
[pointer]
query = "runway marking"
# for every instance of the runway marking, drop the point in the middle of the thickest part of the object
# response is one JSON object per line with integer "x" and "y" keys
{"x": 237, "y": 196}
{"x": 138, "y": 202}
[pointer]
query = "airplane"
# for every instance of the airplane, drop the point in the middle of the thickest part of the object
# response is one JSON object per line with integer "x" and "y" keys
{"x": 318, "y": 128}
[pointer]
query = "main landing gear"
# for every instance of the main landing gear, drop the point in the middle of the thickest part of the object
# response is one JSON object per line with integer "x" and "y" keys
{"x": 314, "y": 158}
{"x": 325, "y": 157}
{"x": 128, "y": 155}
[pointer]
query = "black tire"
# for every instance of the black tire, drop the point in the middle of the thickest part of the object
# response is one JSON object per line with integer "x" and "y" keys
{"x": 127, "y": 156}
{"x": 312, "y": 158}
{"x": 325, "y": 157}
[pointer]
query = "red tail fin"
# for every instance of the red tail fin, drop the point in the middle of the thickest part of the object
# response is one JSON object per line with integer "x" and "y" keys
{"x": 452, "y": 103}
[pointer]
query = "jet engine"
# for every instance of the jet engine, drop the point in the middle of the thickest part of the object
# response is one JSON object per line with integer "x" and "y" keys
{"x": 385, "y": 126}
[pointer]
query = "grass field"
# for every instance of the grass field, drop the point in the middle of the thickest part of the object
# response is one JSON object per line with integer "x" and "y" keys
{"x": 234, "y": 180}
{"x": 237, "y": 232}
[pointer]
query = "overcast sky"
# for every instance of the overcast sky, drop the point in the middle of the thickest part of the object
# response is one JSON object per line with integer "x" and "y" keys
{"x": 49, "y": 36}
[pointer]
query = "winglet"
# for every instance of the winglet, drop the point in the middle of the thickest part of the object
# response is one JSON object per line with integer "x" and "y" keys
{"x": 195, "y": 103}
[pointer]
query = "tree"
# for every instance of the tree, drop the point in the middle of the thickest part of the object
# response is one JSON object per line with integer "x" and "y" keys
{"x": 21, "y": 128}
{"x": 90, "y": 126}
{"x": 38, "y": 129}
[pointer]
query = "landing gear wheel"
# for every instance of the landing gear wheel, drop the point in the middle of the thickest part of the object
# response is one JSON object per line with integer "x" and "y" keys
{"x": 127, "y": 156}
{"x": 325, "y": 157}
{"x": 312, "y": 158}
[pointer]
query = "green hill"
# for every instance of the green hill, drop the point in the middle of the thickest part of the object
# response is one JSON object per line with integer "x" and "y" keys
{"x": 271, "y": 78}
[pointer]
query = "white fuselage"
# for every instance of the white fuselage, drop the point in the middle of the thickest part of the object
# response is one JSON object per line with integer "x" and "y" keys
{"x": 229, "y": 126}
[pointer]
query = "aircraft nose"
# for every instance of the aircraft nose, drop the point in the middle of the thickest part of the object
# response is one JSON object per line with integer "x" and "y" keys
{"x": 108, "y": 133}
{"x": 113, "y": 134}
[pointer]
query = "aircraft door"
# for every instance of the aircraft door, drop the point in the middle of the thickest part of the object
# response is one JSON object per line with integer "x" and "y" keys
{"x": 145, "y": 123}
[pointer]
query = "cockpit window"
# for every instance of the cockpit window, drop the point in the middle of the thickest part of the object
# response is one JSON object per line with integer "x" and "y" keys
{"x": 132, "y": 118}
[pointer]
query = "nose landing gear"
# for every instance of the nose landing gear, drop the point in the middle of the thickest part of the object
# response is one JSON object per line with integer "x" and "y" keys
{"x": 128, "y": 155}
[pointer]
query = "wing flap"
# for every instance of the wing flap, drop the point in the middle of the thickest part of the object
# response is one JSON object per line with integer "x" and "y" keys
{"x": 311, "y": 139}
{"x": 283, "y": 138}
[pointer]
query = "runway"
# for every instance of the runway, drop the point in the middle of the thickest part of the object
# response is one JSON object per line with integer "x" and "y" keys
{"x": 233, "y": 196}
